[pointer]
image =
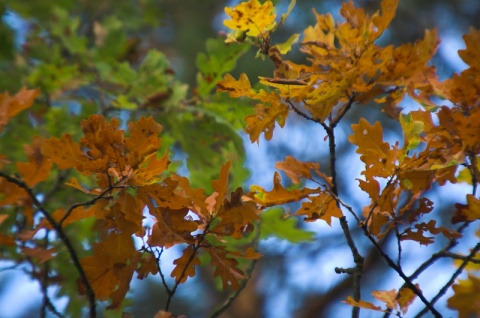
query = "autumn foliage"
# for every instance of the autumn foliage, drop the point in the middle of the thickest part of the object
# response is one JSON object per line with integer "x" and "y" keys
{"x": 125, "y": 197}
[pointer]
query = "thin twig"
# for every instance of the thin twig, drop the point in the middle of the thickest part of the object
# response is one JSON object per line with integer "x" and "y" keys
{"x": 61, "y": 234}
{"x": 357, "y": 258}
{"x": 399, "y": 246}
{"x": 345, "y": 108}
{"x": 300, "y": 113}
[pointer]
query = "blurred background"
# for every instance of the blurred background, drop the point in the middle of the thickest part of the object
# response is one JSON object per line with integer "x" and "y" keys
{"x": 291, "y": 280}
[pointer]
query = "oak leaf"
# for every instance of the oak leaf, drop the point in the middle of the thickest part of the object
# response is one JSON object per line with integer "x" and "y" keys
{"x": 251, "y": 16}
{"x": 362, "y": 304}
{"x": 37, "y": 169}
{"x": 421, "y": 228}
{"x": 379, "y": 159}
{"x": 125, "y": 274}
{"x": 41, "y": 254}
{"x": 143, "y": 140}
{"x": 226, "y": 268}
{"x": 405, "y": 298}
{"x": 235, "y": 216}
{"x": 296, "y": 170}
{"x": 386, "y": 296}
{"x": 323, "y": 206}
{"x": 185, "y": 265}
{"x": 148, "y": 265}
{"x": 172, "y": 227}
{"x": 11, "y": 106}
{"x": 101, "y": 273}
{"x": 467, "y": 212}
{"x": 279, "y": 195}
{"x": 466, "y": 298}
{"x": 264, "y": 120}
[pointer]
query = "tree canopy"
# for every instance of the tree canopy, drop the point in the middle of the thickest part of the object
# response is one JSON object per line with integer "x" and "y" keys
{"x": 116, "y": 169}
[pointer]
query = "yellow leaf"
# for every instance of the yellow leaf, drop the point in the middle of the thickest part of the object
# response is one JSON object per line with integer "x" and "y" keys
{"x": 264, "y": 120}
{"x": 252, "y": 16}
{"x": 406, "y": 297}
{"x": 466, "y": 298}
{"x": 468, "y": 212}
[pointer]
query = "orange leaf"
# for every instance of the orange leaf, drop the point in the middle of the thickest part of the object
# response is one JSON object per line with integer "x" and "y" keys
{"x": 10, "y": 106}
{"x": 226, "y": 268}
{"x": 185, "y": 265}
{"x": 381, "y": 22}
{"x": 296, "y": 170}
{"x": 172, "y": 227}
{"x": 221, "y": 187}
{"x": 118, "y": 248}
{"x": 37, "y": 169}
{"x": 143, "y": 140}
{"x": 124, "y": 273}
{"x": 376, "y": 153}
{"x": 65, "y": 152}
{"x": 101, "y": 273}
{"x": 242, "y": 87}
{"x": 39, "y": 253}
{"x": 279, "y": 195}
{"x": 418, "y": 235}
{"x": 471, "y": 54}
{"x": 362, "y": 304}
{"x": 235, "y": 88}
{"x": 322, "y": 207}
{"x": 235, "y": 216}
{"x": 148, "y": 265}
{"x": 75, "y": 184}
{"x": 5, "y": 240}
{"x": 386, "y": 296}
